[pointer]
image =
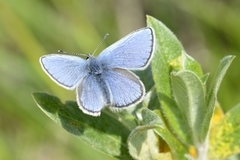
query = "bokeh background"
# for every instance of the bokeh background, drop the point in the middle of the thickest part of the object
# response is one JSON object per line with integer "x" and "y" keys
{"x": 208, "y": 30}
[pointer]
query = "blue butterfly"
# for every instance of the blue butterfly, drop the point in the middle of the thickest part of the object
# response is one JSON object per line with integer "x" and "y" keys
{"x": 105, "y": 80}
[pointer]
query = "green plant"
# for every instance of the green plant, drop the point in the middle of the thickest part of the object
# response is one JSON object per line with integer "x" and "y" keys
{"x": 175, "y": 120}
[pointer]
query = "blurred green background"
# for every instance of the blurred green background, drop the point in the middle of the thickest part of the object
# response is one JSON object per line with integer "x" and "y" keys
{"x": 208, "y": 30}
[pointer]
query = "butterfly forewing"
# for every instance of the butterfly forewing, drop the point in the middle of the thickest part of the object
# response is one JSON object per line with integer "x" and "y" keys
{"x": 67, "y": 71}
{"x": 134, "y": 51}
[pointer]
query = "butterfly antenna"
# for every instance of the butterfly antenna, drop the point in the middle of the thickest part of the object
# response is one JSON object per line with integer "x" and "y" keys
{"x": 72, "y": 53}
{"x": 100, "y": 43}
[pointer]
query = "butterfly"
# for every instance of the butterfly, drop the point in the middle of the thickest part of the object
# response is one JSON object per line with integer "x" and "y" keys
{"x": 105, "y": 80}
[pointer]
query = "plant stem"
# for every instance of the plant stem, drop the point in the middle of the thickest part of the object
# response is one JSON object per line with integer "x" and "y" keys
{"x": 202, "y": 150}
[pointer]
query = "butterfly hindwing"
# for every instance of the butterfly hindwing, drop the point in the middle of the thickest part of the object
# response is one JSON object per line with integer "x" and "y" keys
{"x": 91, "y": 97}
{"x": 125, "y": 88}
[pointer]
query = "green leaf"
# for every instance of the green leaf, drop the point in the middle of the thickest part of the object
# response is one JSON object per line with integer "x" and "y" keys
{"x": 146, "y": 77}
{"x": 178, "y": 150}
{"x": 224, "y": 137}
{"x": 191, "y": 64}
{"x": 188, "y": 91}
{"x": 140, "y": 138}
{"x": 212, "y": 93}
{"x": 150, "y": 100}
{"x": 205, "y": 78}
{"x": 105, "y": 133}
{"x": 186, "y": 62}
{"x": 168, "y": 48}
{"x": 143, "y": 143}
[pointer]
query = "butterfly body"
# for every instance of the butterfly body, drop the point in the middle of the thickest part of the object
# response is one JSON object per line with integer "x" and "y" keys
{"x": 95, "y": 67}
{"x": 105, "y": 80}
